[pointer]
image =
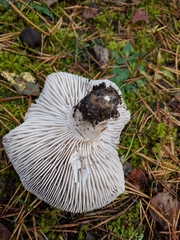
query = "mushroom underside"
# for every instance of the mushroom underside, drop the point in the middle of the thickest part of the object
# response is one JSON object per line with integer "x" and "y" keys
{"x": 61, "y": 166}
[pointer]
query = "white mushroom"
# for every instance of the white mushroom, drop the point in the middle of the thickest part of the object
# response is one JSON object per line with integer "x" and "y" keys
{"x": 65, "y": 151}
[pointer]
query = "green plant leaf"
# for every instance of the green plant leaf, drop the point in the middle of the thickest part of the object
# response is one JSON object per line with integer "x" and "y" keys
{"x": 133, "y": 65}
{"x": 140, "y": 82}
{"x": 135, "y": 56}
{"x": 122, "y": 90}
{"x": 124, "y": 75}
{"x": 4, "y": 3}
{"x": 113, "y": 79}
{"x": 25, "y": 204}
{"x": 117, "y": 70}
{"x": 129, "y": 88}
{"x": 45, "y": 10}
{"x": 140, "y": 68}
{"x": 127, "y": 49}
{"x": 120, "y": 60}
{"x": 115, "y": 54}
{"x": 121, "y": 75}
{"x": 167, "y": 74}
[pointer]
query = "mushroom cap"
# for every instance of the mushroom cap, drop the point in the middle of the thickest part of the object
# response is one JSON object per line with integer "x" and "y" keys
{"x": 54, "y": 161}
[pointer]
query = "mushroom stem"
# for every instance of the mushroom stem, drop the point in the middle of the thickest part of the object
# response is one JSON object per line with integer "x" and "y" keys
{"x": 90, "y": 116}
{"x": 85, "y": 130}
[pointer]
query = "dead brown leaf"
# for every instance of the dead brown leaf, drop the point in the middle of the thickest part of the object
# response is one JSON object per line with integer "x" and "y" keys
{"x": 90, "y": 12}
{"x": 167, "y": 205}
{"x": 5, "y": 234}
{"x": 137, "y": 178}
{"x": 140, "y": 15}
{"x": 50, "y": 2}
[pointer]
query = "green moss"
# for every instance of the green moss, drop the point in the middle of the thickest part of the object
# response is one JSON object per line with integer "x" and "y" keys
{"x": 82, "y": 232}
{"x": 126, "y": 225}
{"x": 14, "y": 62}
{"x": 34, "y": 18}
{"x": 144, "y": 42}
{"x": 47, "y": 221}
{"x": 114, "y": 45}
{"x": 106, "y": 21}
{"x": 18, "y": 108}
{"x": 153, "y": 135}
{"x": 8, "y": 17}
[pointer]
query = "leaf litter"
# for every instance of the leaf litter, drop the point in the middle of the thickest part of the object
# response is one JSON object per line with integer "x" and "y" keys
{"x": 140, "y": 15}
{"x": 168, "y": 206}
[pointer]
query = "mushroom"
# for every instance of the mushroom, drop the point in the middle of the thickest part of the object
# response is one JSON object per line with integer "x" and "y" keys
{"x": 65, "y": 150}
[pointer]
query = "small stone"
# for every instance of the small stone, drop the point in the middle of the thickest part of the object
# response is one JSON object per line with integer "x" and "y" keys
{"x": 102, "y": 56}
{"x": 90, "y": 237}
{"x": 25, "y": 83}
{"x": 127, "y": 168}
{"x": 30, "y": 37}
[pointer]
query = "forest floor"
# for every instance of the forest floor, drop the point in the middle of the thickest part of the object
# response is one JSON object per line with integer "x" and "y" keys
{"x": 140, "y": 44}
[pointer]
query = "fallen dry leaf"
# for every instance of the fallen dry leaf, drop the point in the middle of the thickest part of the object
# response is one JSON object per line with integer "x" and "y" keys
{"x": 102, "y": 56}
{"x": 5, "y": 234}
{"x": 137, "y": 178}
{"x": 91, "y": 11}
{"x": 140, "y": 15}
{"x": 50, "y": 2}
{"x": 167, "y": 205}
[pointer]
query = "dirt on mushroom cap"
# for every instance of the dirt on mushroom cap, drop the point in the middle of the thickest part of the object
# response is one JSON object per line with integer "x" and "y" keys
{"x": 100, "y": 104}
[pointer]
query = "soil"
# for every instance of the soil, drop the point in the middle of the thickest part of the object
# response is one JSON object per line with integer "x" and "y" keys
{"x": 100, "y": 104}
